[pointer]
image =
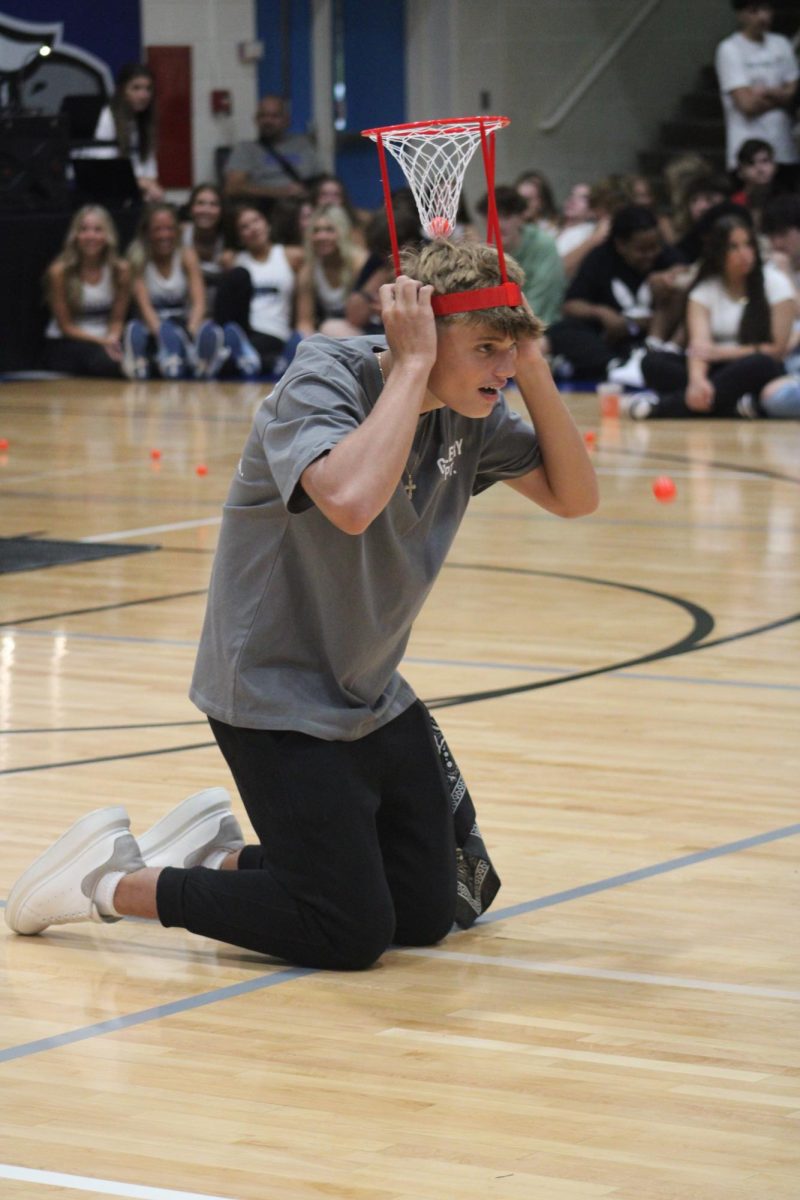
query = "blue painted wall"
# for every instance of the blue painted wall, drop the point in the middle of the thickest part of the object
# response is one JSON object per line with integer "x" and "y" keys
{"x": 110, "y": 29}
{"x": 373, "y": 44}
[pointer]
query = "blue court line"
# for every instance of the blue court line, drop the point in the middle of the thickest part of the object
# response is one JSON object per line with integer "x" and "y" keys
{"x": 155, "y": 1014}
{"x": 292, "y": 973}
{"x": 539, "y": 668}
{"x": 672, "y": 864}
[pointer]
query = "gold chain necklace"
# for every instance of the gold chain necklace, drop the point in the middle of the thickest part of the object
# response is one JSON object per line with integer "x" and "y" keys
{"x": 409, "y": 487}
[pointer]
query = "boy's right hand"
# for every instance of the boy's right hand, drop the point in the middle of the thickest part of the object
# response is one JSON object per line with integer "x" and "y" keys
{"x": 409, "y": 321}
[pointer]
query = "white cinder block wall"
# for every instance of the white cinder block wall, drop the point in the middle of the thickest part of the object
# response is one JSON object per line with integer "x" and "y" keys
{"x": 529, "y": 55}
{"x": 213, "y": 28}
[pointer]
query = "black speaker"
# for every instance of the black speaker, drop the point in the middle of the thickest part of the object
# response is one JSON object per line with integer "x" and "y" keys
{"x": 33, "y": 163}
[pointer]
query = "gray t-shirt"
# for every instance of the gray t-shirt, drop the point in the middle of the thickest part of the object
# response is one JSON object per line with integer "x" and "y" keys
{"x": 305, "y": 624}
{"x": 264, "y": 170}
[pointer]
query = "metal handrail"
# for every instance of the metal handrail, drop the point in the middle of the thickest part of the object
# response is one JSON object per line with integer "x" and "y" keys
{"x": 551, "y": 122}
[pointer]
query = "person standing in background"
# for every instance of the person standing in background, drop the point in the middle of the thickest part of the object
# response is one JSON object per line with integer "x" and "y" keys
{"x": 757, "y": 72}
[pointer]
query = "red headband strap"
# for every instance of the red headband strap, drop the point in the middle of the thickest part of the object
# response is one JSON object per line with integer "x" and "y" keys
{"x": 505, "y": 295}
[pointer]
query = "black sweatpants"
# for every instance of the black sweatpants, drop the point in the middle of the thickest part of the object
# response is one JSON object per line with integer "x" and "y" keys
{"x": 73, "y": 356}
{"x": 585, "y": 346}
{"x": 668, "y": 374}
{"x": 357, "y": 848}
{"x": 232, "y": 303}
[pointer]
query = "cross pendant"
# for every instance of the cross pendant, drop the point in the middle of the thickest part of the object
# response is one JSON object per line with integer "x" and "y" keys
{"x": 410, "y": 487}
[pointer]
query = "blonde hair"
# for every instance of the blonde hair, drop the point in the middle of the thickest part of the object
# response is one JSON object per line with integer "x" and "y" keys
{"x": 340, "y": 220}
{"x": 139, "y": 251}
{"x": 70, "y": 257}
{"x": 465, "y": 268}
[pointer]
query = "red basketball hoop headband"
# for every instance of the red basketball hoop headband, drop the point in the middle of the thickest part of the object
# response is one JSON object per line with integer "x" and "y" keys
{"x": 434, "y": 157}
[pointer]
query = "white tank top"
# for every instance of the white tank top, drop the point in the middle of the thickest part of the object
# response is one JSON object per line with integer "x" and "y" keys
{"x": 330, "y": 300}
{"x": 273, "y": 292}
{"x": 169, "y": 295}
{"x": 94, "y": 313}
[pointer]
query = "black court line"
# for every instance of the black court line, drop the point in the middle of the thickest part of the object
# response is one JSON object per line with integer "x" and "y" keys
{"x": 84, "y": 762}
{"x": 761, "y": 472}
{"x": 107, "y": 728}
{"x": 702, "y": 625}
{"x": 79, "y": 612}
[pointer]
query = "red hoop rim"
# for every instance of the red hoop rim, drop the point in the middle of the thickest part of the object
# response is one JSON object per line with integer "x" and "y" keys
{"x": 455, "y": 124}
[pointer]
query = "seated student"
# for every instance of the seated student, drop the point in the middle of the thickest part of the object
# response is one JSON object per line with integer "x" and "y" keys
{"x": 639, "y": 189}
{"x": 204, "y": 232}
{"x": 756, "y": 168}
{"x": 540, "y": 204}
{"x": 781, "y": 227}
{"x": 700, "y": 195}
{"x": 129, "y": 127}
{"x": 277, "y": 165}
{"x": 668, "y": 327}
{"x": 326, "y": 278}
{"x": 328, "y": 191}
{"x": 739, "y": 322}
{"x": 534, "y": 250}
{"x": 609, "y": 304}
{"x": 170, "y": 297}
{"x": 289, "y": 219}
{"x": 256, "y": 297}
{"x": 88, "y": 291}
{"x": 583, "y": 226}
{"x": 363, "y": 307}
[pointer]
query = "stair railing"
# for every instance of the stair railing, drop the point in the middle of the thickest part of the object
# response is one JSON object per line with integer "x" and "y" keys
{"x": 587, "y": 80}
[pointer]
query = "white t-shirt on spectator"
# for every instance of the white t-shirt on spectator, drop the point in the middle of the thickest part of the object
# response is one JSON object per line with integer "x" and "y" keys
{"x": 571, "y": 237}
{"x": 106, "y": 131}
{"x": 725, "y": 313}
{"x": 741, "y": 62}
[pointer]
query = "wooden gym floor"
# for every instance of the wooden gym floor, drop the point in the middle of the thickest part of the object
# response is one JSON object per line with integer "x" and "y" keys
{"x": 622, "y": 695}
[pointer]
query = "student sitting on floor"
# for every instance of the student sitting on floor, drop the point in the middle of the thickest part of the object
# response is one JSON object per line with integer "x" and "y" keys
{"x": 256, "y": 298}
{"x": 739, "y": 322}
{"x": 168, "y": 289}
{"x": 88, "y": 291}
{"x": 609, "y": 304}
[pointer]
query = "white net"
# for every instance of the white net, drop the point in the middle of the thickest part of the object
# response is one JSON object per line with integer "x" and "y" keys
{"x": 434, "y": 158}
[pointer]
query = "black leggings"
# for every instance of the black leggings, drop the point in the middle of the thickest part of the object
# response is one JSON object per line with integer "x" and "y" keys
{"x": 357, "y": 848}
{"x": 73, "y": 356}
{"x": 232, "y": 303}
{"x": 668, "y": 375}
{"x": 585, "y": 346}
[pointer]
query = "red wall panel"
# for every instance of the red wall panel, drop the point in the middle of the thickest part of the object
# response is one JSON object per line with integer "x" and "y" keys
{"x": 172, "y": 68}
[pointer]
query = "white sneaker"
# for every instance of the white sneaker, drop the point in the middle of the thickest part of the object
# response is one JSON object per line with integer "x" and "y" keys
{"x": 639, "y": 405}
{"x": 628, "y": 373}
{"x": 200, "y": 828}
{"x": 746, "y": 407}
{"x": 60, "y": 886}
